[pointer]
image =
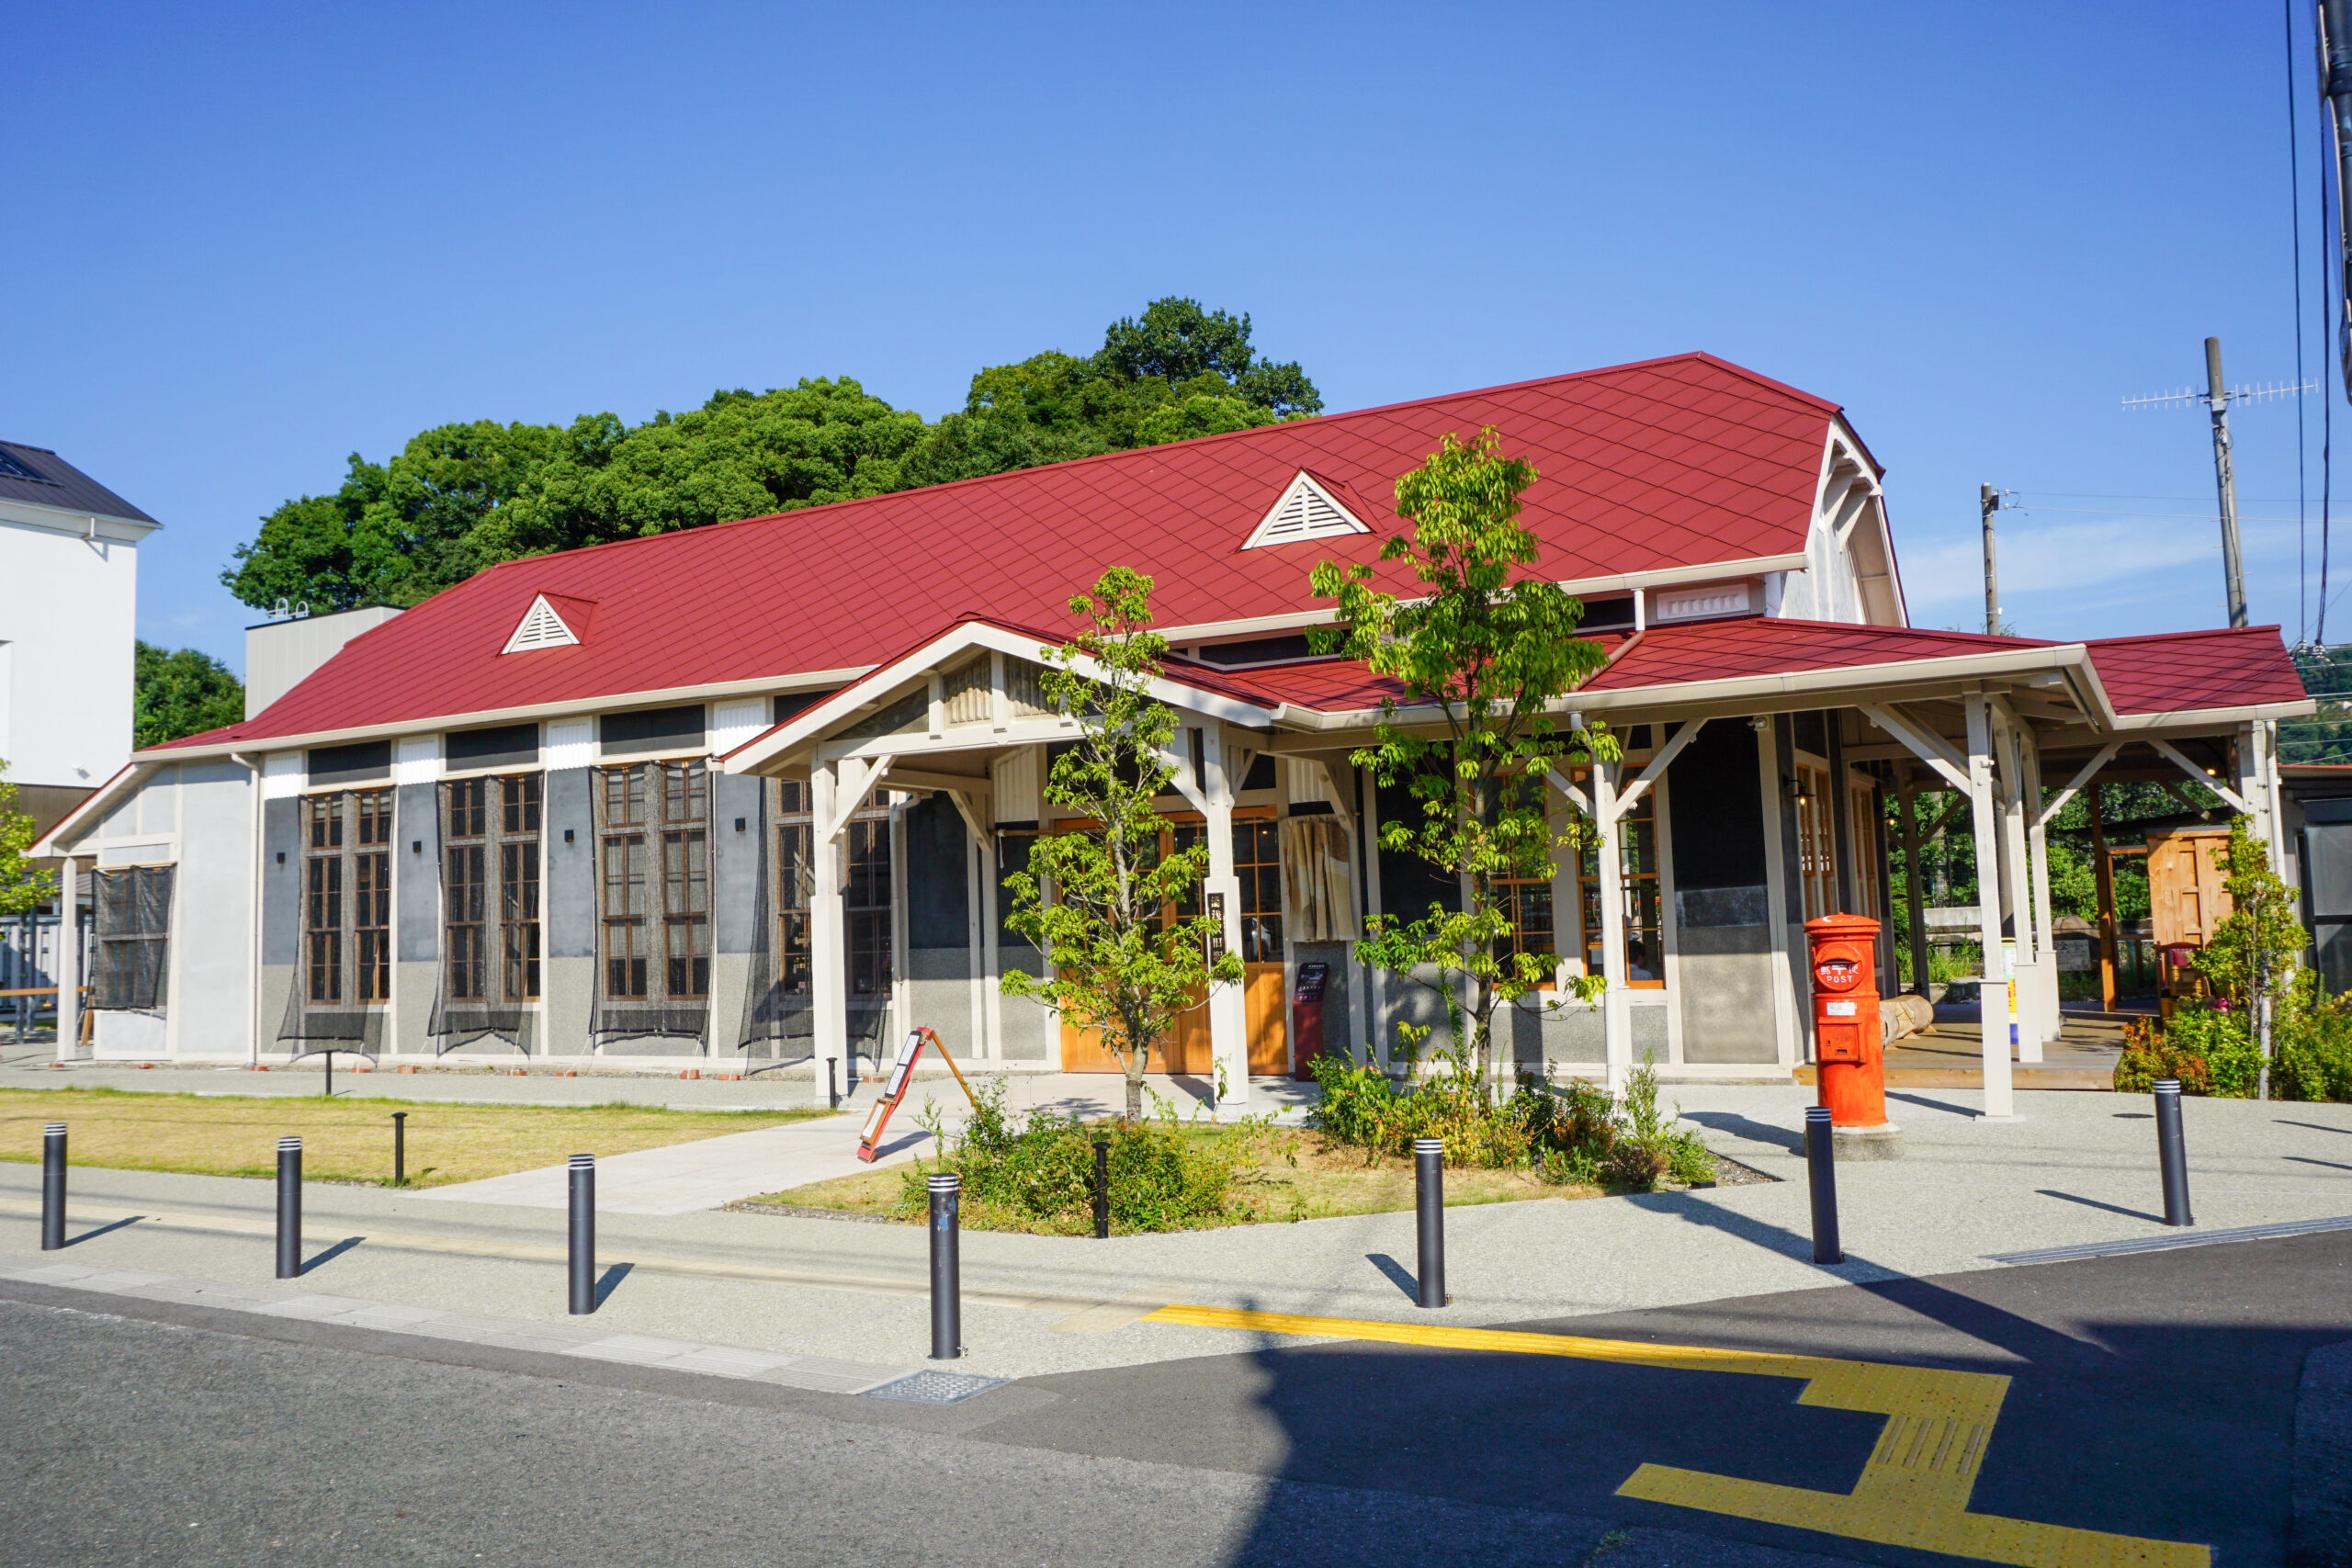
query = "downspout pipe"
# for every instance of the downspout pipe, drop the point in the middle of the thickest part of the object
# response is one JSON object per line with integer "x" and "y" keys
{"x": 2336, "y": 63}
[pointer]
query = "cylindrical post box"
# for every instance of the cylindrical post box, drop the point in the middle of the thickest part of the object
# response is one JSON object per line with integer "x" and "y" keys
{"x": 1849, "y": 1055}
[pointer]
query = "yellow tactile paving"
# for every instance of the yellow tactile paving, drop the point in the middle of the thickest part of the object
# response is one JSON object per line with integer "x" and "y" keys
{"x": 1913, "y": 1491}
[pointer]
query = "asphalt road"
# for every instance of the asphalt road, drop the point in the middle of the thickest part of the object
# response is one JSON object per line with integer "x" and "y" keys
{"x": 2151, "y": 1397}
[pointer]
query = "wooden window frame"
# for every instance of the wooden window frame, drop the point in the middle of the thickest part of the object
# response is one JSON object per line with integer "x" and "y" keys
{"x": 1638, "y": 828}
{"x": 347, "y": 917}
{"x": 492, "y": 870}
{"x": 657, "y": 948}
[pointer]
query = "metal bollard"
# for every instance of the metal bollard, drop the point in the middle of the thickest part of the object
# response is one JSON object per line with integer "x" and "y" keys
{"x": 2172, "y": 1155}
{"x": 1429, "y": 1203}
{"x": 1103, "y": 1189}
{"x": 1821, "y": 1167}
{"x": 400, "y": 1149}
{"x": 583, "y": 1235}
{"x": 946, "y": 1287}
{"x": 330, "y": 1061}
{"x": 52, "y": 1187}
{"x": 832, "y": 1083}
{"x": 289, "y": 1208}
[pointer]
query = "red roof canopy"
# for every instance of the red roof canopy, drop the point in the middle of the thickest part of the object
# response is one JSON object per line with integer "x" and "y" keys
{"x": 1671, "y": 463}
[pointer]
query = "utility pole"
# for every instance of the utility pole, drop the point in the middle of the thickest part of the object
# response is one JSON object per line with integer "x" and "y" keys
{"x": 1988, "y": 500}
{"x": 2217, "y": 399}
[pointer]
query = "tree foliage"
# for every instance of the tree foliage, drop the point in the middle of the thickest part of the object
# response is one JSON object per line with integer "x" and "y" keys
{"x": 22, "y": 886}
{"x": 1489, "y": 648}
{"x": 1097, "y": 899}
{"x": 2256, "y": 950}
{"x": 461, "y": 497}
{"x": 181, "y": 692}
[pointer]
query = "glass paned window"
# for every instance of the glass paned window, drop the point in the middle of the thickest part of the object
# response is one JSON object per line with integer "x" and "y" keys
{"x": 1258, "y": 861}
{"x": 654, "y": 883}
{"x": 490, "y": 869}
{"x": 1816, "y": 840}
{"x": 347, "y": 898}
{"x": 1640, "y": 902}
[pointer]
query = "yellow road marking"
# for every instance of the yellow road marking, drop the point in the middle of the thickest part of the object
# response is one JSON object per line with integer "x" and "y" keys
{"x": 1914, "y": 1488}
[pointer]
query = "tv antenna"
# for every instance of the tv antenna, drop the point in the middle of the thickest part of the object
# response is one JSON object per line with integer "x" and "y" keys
{"x": 2217, "y": 397}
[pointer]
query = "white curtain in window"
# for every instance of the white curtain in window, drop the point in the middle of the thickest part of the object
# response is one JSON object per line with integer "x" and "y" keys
{"x": 1315, "y": 880}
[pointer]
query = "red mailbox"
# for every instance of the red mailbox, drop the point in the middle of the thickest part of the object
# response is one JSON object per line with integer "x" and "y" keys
{"x": 1848, "y": 1055}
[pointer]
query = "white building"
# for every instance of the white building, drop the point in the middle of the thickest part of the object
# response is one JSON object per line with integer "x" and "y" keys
{"x": 69, "y": 599}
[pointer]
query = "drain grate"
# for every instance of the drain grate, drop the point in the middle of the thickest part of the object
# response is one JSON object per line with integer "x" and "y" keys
{"x": 935, "y": 1388}
{"x": 2167, "y": 1243}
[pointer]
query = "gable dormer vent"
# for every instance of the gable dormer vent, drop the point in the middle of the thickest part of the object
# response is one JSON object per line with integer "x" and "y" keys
{"x": 542, "y": 627}
{"x": 1307, "y": 511}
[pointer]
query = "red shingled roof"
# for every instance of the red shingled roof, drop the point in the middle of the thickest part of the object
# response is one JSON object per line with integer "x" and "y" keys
{"x": 1677, "y": 462}
{"x": 2229, "y": 667}
{"x": 2174, "y": 673}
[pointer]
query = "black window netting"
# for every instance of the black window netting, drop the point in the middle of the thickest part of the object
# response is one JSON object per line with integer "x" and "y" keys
{"x": 342, "y": 971}
{"x": 130, "y": 961}
{"x": 488, "y": 831}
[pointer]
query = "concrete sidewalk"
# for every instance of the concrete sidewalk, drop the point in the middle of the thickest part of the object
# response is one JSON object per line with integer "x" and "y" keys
{"x": 2074, "y": 1169}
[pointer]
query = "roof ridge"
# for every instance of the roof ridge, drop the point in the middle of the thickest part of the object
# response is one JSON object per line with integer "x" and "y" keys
{"x": 1073, "y": 463}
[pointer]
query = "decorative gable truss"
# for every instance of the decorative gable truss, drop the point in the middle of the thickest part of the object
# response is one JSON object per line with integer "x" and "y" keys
{"x": 543, "y": 626}
{"x": 1308, "y": 510}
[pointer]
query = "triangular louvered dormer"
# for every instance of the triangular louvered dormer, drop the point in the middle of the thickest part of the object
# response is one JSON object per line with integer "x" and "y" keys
{"x": 1307, "y": 511}
{"x": 542, "y": 625}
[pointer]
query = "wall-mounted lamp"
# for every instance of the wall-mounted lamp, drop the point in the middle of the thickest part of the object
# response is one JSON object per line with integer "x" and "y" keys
{"x": 1762, "y": 724}
{"x": 567, "y": 835}
{"x": 739, "y": 824}
{"x": 416, "y": 846}
{"x": 1794, "y": 788}
{"x": 281, "y": 857}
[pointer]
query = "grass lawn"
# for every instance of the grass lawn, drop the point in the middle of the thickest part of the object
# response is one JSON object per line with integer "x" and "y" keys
{"x": 344, "y": 1140}
{"x": 1327, "y": 1180}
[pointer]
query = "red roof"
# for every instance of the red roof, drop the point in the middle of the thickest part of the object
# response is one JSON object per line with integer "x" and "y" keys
{"x": 1679, "y": 462}
{"x": 2174, "y": 673}
{"x": 2229, "y": 667}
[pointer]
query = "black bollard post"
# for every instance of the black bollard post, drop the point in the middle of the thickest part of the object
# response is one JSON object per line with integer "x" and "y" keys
{"x": 289, "y": 1208}
{"x": 400, "y": 1149}
{"x": 946, "y": 1287}
{"x": 2172, "y": 1155}
{"x": 1821, "y": 1167}
{"x": 1429, "y": 1195}
{"x": 1103, "y": 1189}
{"x": 52, "y": 1187}
{"x": 832, "y": 1084}
{"x": 583, "y": 1235}
{"x": 330, "y": 1061}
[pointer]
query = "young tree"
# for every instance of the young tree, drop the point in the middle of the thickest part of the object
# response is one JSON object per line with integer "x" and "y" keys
{"x": 22, "y": 887}
{"x": 2256, "y": 950}
{"x": 1490, "y": 651}
{"x": 1097, "y": 900}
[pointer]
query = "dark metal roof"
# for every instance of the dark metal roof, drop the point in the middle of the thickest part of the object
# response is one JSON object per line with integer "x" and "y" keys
{"x": 53, "y": 482}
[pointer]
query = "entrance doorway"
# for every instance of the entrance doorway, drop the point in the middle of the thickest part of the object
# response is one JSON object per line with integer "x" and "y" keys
{"x": 1257, "y": 858}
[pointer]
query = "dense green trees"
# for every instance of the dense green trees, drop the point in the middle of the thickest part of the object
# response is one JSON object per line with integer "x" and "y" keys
{"x": 181, "y": 692}
{"x": 462, "y": 497}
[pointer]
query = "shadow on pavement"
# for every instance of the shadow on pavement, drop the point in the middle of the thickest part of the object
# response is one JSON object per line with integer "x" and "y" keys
{"x": 101, "y": 1229}
{"x": 612, "y": 1280}
{"x": 1747, "y": 1127}
{"x": 332, "y": 1253}
{"x": 2095, "y": 1204}
{"x": 1397, "y": 1274}
{"x": 1943, "y": 1105}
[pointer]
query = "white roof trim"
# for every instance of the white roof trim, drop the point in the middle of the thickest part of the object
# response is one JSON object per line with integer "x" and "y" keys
{"x": 1306, "y": 511}
{"x": 542, "y": 627}
{"x": 813, "y": 722}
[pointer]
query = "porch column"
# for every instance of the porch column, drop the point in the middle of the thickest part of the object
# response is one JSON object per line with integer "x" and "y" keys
{"x": 1616, "y": 1023}
{"x": 2048, "y": 1018}
{"x": 2257, "y": 784}
{"x": 828, "y": 963}
{"x": 1375, "y": 980}
{"x": 2017, "y": 882}
{"x": 1992, "y": 1012}
{"x": 1914, "y": 890}
{"x": 68, "y": 969}
{"x": 1228, "y": 1014}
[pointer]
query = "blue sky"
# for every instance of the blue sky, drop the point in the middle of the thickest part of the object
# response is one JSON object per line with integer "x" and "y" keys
{"x": 247, "y": 241}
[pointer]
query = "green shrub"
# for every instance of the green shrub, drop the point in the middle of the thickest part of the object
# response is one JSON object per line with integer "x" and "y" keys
{"x": 2315, "y": 1057}
{"x": 1040, "y": 1174}
{"x": 1574, "y": 1133}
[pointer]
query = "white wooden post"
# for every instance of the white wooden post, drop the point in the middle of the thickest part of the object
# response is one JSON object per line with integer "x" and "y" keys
{"x": 68, "y": 968}
{"x": 1228, "y": 1015}
{"x": 2048, "y": 1016}
{"x": 1992, "y": 1012}
{"x": 1375, "y": 981}
{"x": 2016, "y": 889}
{"x": 829, "y": 969}
{"x": 1616, "y": 1024}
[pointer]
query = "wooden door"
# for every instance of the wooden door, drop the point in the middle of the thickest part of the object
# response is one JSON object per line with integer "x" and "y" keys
{"x": 2186, "y": 899}
{"x": 1265, "y": 1004}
